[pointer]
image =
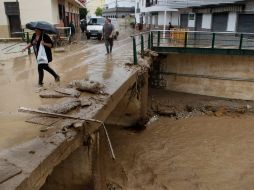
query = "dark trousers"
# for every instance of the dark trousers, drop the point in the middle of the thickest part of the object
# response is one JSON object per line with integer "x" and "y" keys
{"x": 109, "y": 44}
{"x": 46, "y": 67}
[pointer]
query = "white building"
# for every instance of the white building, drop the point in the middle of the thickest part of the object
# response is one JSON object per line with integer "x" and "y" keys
{"x": 15, "y": 14}
{"x": 215, "y": 15}
{"x": 119, "y": 3}
{"x": 92, "y": 5}
{"x": 119, "y": 8}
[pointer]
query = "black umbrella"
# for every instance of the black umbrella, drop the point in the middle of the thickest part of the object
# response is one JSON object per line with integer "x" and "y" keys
{"x": 42, "y": 25}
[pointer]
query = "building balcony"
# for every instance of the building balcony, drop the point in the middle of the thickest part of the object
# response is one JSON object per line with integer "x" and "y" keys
{"x": 150, "y": 3}
{"x": 158, "y": 6}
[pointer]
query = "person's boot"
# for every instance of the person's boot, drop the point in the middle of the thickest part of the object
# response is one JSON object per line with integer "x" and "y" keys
{"x": 107, "y": 50}
{"x": 57, "y": 79}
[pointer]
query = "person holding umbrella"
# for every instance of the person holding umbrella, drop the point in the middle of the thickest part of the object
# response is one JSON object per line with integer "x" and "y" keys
{"x": 39, "y": 40}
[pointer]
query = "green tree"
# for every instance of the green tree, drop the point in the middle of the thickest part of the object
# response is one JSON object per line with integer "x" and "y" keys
{"x": 98, "y": 11}
{"x": 82, "y": 13}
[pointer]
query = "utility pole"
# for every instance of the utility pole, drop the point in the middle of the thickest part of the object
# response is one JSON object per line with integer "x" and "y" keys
{"x": 116, "y": 8}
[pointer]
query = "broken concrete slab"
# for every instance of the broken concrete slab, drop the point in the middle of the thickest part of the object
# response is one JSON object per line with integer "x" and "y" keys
{"x": 52, "y": 94}
{"x": 87, "y": 86}
{"x": 8, "y": 170}
{"x": 85, "y": 102}
{"x": 62, "y": 107}
{"x": 42, "y": 120}
{"x": 68, "y": 91}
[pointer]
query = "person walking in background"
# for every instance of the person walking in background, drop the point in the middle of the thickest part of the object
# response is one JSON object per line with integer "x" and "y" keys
{"x": 170, "y": 26}
{"x": 39, "y": 37}
{"x": 108, "y": 30}
{"x": 73, "y": 31}
{"x": 111, "y": 40}
{"x": 83, "y": 25}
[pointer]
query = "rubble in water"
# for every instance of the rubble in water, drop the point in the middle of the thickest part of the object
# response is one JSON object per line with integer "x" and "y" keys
{"x": 189, "y": 107}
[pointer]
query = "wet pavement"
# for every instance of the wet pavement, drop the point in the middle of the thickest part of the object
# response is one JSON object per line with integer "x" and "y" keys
{"x": 10, "y": 50}
{"x": 82, "y": 60}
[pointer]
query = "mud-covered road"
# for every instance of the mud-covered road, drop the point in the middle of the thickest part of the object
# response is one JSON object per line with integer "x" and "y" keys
{"x": 19, "y": 80}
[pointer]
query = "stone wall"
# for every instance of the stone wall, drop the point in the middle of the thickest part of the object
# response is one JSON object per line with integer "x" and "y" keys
{"x": 213, "y": 75}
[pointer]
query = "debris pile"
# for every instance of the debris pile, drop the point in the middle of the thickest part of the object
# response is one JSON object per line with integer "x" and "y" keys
{"x": 87, "y": 86}
{"x": 190, "y": 111}
{"x": 63, "y": 107}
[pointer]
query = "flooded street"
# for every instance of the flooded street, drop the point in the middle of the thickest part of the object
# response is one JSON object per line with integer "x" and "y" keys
{"x": 19, "y": 79}
{"x": 198, "y": 153}
{"x": 194, "y": 142}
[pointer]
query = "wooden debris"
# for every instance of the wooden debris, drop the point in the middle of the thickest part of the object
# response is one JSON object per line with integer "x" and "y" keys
{"x": 42, "y": 120}
{"x": 68, "y": 91}
{"x": 52, "y": 94}
{"x": 8, "y": 170}
{"x": 29, "y": 110}
{"x": 78, "y": 125}
{"x": 63, "y": 107}
{"x": 148, "y": 52}
{"x": 85, "y": 102}
{"x": 87, "y": 86}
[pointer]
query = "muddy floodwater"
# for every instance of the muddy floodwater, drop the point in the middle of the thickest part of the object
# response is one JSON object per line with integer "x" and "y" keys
{"x": 193, "y": 142}
{"x": 198, "y": 153}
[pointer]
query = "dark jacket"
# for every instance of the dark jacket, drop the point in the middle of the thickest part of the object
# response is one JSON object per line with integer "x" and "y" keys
{"x": 46, "y": 39}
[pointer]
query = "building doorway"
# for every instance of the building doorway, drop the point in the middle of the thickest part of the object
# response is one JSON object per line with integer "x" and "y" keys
{"x": 13, "y": 14}
{"x": 220, "y": 22}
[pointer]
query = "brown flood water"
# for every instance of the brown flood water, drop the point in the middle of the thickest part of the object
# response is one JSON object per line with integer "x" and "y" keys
{"x": 200, "y": 153}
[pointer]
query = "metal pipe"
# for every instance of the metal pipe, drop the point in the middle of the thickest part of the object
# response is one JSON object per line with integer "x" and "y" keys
{"x": 164, "y": 27}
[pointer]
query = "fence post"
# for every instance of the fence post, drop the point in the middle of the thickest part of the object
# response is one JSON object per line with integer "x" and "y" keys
{"x": 28, "y": 41}
{"x": 185, "y": 39}
{"x": 213, "y": 40}
{"x": 135, "y": 58}
{"x": 149, "y": 40}
{"x": 142, "y": 46}
{"x": 241, "y": 42}
{"x": 23, "y": 35}
{"x": 158, "y": 40}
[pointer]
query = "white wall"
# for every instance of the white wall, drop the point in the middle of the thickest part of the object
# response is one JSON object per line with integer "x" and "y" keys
{"x": 161, "y": 18}
{"x": 55, "y": 12}
{"x": 172, "y": 17}
{"x": 232, "y": 18}
{"x": 29, "y": 11}
{"x": 175, "y": 18}
{"x": 92, "y": 6}
{"x": 124, "y": 3}
{"x": 207, "y": 21}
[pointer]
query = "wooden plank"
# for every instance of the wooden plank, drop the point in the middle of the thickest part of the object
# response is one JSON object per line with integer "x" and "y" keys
{"x": 42, "y": 120}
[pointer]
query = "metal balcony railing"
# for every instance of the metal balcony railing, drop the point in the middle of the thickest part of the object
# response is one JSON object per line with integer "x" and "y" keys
{"x": 229, "y": 42}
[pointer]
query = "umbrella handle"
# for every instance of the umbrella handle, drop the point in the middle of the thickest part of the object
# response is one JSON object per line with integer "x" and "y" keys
{"x": 42, "y": 36}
